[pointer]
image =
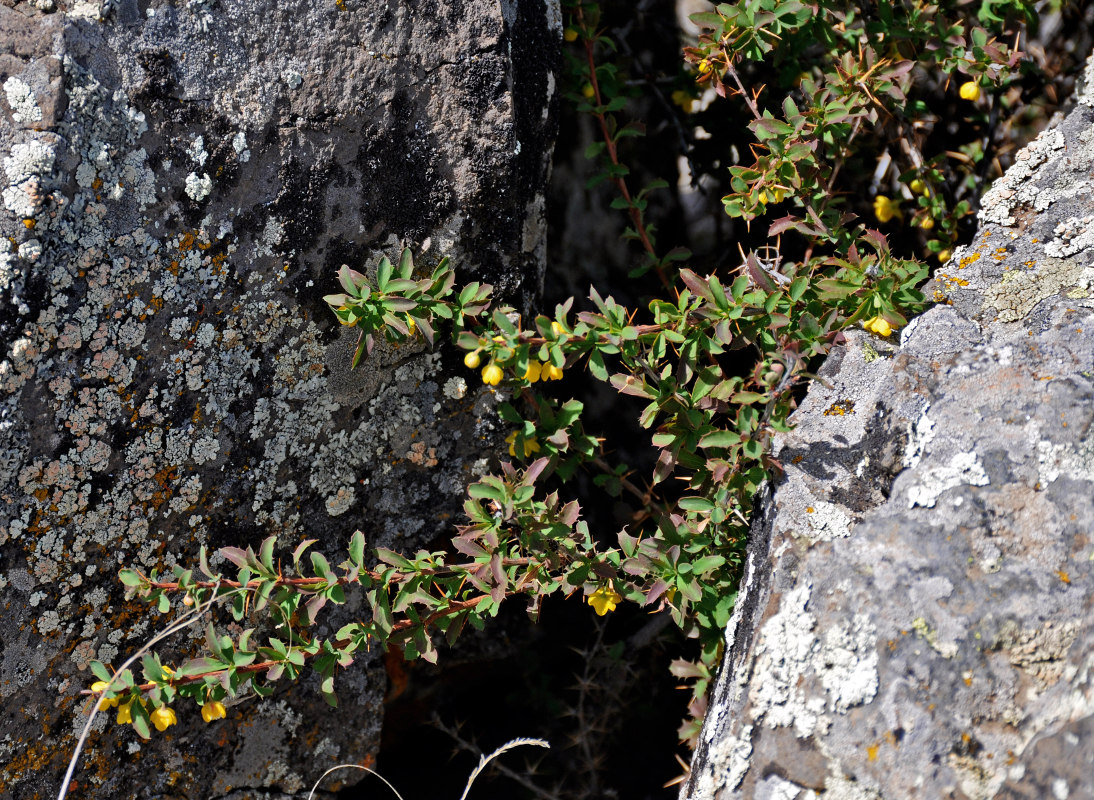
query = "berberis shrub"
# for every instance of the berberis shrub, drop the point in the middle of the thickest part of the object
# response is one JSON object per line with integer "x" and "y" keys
{"x": 843, "y": 104}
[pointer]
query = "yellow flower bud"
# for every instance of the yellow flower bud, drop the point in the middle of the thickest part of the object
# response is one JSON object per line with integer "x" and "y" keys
{"x": 570, "y": 35}
{"x": 762, "y": 198}
{"x": 472, "y": 360}
{"x": 878, "y": 325}
{"x": 163, "y": 718}
{"x": 588, "y": 92}
{"x": 557, "y": 329}
{"x": 944, "y": 256}
{"x": 918, "y": 186}
{"x": 970, "y": 91}
{"x": 704, "y": 66}
{"x": 213, "y": 710}
{"x": 492, "y": 374}
{"x": 926, "y": 223}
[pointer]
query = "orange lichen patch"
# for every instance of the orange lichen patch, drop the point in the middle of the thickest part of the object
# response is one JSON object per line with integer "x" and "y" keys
{"x": 871, "y": 752}
{"x": 797, "y": 459}
{"x": 840, "y": 408}
{"x": 967, "y": 260}
{"x": 97, "y": 184}
{"x": 1063, "y": 576}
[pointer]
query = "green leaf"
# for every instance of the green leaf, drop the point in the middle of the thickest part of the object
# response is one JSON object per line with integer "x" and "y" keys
{"x": 100, "y": 671}
{"x": 129, "y": 577}
{"x": 700, "y": 504}
{"x": 383, "y": 274}
{"x": 357, "y": 548}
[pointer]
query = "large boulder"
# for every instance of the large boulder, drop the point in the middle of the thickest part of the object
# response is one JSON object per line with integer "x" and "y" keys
{"x": 916, "y": 616}
{"x": 180, "y": 183}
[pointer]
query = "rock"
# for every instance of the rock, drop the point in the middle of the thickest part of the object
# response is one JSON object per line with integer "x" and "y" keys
{"x": 180, "y": 183}
{"x": 916, "y": 617}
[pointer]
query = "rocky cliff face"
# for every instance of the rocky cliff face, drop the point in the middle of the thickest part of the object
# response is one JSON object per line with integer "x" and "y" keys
{"x": 180, "y": 182}
{"x": 917, "y": 617}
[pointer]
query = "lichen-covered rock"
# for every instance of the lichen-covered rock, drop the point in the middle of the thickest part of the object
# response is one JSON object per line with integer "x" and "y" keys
{"x": 917, "y": 615}
{"x": 180, "y": 182}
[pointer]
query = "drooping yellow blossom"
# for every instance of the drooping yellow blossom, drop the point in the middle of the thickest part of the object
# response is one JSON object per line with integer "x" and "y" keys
{"x": 878, "y": 325}
{"x": 918, "y": 186}
{"x": 532, "y": 374}
{"x": 570, "y": 34}
{"x": 550, "y": 372}
{"x": 588, "y": 92}
{"x": 125, "y": 713}
{"x": 557, "y": 329}
{"x": 472, "y": 360}
{"x": 492, "y": 374}
{"x": 604, "y": 600}
{"x": 926, "y": 223}
{"x": 704, "y": 66}
{"x": 106, "y": 702}
{"x": 163, "y": 718}
{"x": 885, "y": 209}
{"x": 944, "y": 256}
{"x": 530, "y": 445}
{"x": 213, "y": 710}
{"x": 970, "y": 91}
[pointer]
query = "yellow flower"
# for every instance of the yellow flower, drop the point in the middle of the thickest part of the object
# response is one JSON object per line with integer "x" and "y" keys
{"x": 885, "y": 209}
{"x": 926, "y": 223}
{"x": 106, "y": 702}
{"x": 588, "y": 91}
{"x": 763, "y": 198}
{"x": 532, "y": 374}
{"x": 918, "y": 186}
{"x": 684, "y": 99}
{"x": 704, "y": 66}
{"x": 944, "y": 256}
{"x": 213, "y": 710}
{"x": 557, "y": 329}
{"x": 878, "y": 325}
{"x": 530, "y": 445}
{"x": 125, "y": 713}
{"x": 472, "y": 360}
{"x": 970, "y": 91}
{"x": 168, "y": 671}
{"x": 603, "y": 600}
{"x": 570, "y": 35}
{"x": 163, "y": 718}
{"x": 550, "y": 372}
{"x": 410, "y": 323}
{"x": 492, "y": 374}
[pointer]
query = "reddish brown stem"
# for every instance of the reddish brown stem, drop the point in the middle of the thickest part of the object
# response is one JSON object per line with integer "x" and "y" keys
{"x": 613, "y": 155}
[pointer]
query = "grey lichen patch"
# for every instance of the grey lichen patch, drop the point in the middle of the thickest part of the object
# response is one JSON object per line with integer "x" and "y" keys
{"x": 963, "y": 469}
{"x": 1019, "y": 291}
{"x": 1016, "y": 187}
{"x": 791, "y": 656}
{"x": 729, "y": 759}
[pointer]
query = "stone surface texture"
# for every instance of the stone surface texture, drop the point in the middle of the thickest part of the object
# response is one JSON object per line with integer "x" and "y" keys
{"x": 917, "y": 616}
{"x": 180, "y": 182}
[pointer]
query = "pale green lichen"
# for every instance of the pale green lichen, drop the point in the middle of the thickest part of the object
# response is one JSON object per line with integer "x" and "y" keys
{"x": 1020, "y": 291}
